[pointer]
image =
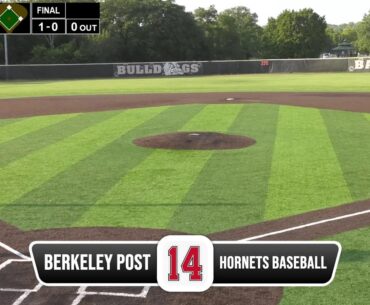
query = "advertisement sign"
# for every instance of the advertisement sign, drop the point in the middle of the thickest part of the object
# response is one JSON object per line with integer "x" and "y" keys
{"x": 158, "y": 69}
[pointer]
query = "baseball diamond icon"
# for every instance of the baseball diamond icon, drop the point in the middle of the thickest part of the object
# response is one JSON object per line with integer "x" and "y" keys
{"x": 11, "y": 15}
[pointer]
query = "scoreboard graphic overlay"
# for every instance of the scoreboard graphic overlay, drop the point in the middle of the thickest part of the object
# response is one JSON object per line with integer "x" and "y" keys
{"x": 50, "y": 18}
{"x": 185, "y": 263}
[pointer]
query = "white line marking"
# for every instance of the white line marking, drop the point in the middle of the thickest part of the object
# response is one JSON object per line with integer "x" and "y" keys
{"x": 6, "y": 263}
{"x": 26, "y": 294}
{"x": 145, "y": 292}
{"x": 11, "y": 250}
{"x": 20, "y": 290}
{"x": 312, "y": 224}
{"x": 15, "y": 290}
{"x": 9, "y": 261}
{"x": 81, "y": 294}
{"x": 115, "y": 294}
{"x": 142, "y": 294}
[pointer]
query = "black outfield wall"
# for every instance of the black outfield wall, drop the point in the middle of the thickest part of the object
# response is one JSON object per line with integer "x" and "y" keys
{"x": 85, "y": 71}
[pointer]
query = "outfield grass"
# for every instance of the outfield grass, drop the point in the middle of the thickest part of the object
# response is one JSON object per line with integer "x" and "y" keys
{"x": 307, "y": 82}
{"x": 83, "y": 169}
{"x": 351, "y": 285}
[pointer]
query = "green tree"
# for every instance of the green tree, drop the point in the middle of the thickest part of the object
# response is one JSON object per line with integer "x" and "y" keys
{"x": 363, "y": 32}
{"x": 344, "y": 32}
{"x": 334, "y": 36}
{"x": 20, "y": 47}
{"x": 295, "y": 34}
{"x": 231, "y": 34}
{"x": 149, "y": 30}
{"x": 67, "y": 52}
{"x": 349, "y": 33}
{"x": 238, "y": 34}
{"x": 207, "y": 20}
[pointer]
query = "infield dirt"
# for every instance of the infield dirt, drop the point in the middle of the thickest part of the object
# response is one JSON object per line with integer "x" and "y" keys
{"x": 13, "y": 108}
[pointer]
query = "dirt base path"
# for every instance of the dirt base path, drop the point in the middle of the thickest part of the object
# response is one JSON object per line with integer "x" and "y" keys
{"x": 17, "y": 278}
{"x": 13, "y": 108}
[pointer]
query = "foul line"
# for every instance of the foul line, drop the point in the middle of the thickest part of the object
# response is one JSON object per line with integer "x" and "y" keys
{"x": 17, "y": 253}
{"x": 312, "y": 224}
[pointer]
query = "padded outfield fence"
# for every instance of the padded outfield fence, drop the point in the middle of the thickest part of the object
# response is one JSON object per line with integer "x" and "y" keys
{"x": 84, "y": 71}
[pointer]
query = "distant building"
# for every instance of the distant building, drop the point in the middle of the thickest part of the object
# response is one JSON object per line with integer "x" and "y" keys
{"x": 344, "y": 49}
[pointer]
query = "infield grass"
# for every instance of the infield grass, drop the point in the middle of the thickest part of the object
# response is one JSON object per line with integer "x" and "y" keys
{"x": 22, "y": 127}
{"x": 307, "y": 82}
{"x": 346, "y": 133}
{"x": 305, "y": 169}
{"x": 233, "y": 184}
{"x": 84, "y": 170}
{"x": 163, "y": 179}
{"x": 38, "y": 167}
{"x": 70, "y": 194}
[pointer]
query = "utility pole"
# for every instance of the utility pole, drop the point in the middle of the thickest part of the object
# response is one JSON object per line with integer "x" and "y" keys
{"x": 6, "y": 56}
{"x": 6, "y": 50}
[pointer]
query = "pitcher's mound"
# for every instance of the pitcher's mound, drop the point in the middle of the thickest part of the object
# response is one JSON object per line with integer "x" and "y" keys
{"x": 195, "y": 141}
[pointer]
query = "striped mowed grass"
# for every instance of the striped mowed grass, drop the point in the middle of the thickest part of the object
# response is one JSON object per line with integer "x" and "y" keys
{"x": 81, "y": 170}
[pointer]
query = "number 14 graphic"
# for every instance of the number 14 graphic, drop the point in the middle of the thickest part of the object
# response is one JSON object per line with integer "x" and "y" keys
{"x": 185, "y": 263}
{"x": 190, "y": 264}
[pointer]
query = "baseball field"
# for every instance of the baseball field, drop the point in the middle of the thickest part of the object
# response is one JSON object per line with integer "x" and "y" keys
{"x": 70, "y": 170}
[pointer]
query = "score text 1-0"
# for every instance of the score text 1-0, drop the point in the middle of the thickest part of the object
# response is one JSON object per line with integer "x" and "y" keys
{"x": 47, "y": 26}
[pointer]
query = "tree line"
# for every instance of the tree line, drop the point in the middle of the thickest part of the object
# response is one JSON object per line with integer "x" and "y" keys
{"x": 156, "y": 30}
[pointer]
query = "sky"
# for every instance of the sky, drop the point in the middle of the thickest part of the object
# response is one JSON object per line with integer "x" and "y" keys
{"x": 336, "y": 12}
